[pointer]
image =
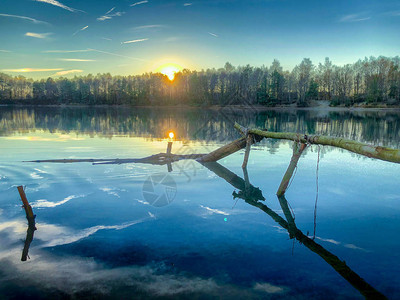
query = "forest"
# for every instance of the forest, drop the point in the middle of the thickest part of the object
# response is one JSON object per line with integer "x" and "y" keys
{"x": 371, "y": 81}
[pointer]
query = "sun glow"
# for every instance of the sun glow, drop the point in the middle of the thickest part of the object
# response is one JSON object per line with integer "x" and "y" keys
{"x": 169, "y": 70}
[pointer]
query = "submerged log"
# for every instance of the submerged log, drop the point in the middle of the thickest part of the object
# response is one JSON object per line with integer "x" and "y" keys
{"x": 378, "y": 152}
{"x": 297, "y": 151}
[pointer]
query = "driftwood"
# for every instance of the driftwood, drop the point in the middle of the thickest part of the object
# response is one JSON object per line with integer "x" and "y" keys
{"x": 339, "y": 266}
{"x": 382, "y": 153}
{"x": 31, "y": 223}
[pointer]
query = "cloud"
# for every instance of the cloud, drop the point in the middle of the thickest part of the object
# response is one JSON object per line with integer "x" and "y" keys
{"x": 107, "y": 39}
{"x": 65, "y": 51}
{"x": 134, "y": 41}
{"x": 82, "y": 29}
{"x": 108, "y": 16}
{"x": 26, "y": 70}
{"x": 269, "y": 288}
{"x": 354, "y": 247}
{"x": 149, "y": 27}
{"x": 393, "y": 13}
{"x": 332, "y": 241}
{"x": 171, "y": 39}
{"x": 110, "y": 10}
{"x": 56, "y": 3}
{"x": 215, "y": 211}
{"x": 60, "y": 138}
{"x": 213, "y": 34}
{"x": 5, "y": 51}
{"x": 138, "y": 3}
{"x": 119, "y": 55}
{"x": 187, "y": 4}
{"x": 63, "y": 236}
{"x": 353, "y": 18}
{"x": 112, "y": 191}
{"x": 76, "y": 59}
{"x": 24, "y": 18}
{"x": 38, "y": 35}
{"x": 62, "y": 73}
{"x": 43, "y": 203}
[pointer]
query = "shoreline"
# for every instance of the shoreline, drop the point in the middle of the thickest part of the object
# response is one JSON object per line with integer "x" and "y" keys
{"x": 316, "y": 106}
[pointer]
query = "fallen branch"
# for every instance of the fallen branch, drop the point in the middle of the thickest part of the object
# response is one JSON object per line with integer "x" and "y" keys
{"x": 228, "y": 149}
{"x": 378, "y": 152}
{"x": 157, "y": 159}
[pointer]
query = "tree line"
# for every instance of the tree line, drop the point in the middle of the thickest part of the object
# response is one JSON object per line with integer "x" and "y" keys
{"x": 372, "y": 80}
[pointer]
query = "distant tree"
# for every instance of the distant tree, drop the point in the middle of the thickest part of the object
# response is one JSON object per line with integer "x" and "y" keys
{"x": 312, "y": 93}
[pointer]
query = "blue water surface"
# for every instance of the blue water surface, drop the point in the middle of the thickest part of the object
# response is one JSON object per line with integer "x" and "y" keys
{"x": 98, "y": 235}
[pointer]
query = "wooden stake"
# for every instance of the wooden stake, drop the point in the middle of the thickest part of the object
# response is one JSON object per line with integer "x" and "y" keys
{"x": 28, "y": 209}
{"x": 169, "y": 148}
{"x": 31, "y": 223}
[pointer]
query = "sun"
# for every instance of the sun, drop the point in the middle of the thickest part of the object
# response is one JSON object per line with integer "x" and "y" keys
{"x": 169, "y": 70}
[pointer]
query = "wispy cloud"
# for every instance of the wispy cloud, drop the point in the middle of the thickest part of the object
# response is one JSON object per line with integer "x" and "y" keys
{"x": 213, "y": 34}
{"x": 5, "y": 51}
{"x": 110, "y": 10}
{"x": 393, "y": 13}
{"x": 187, "y": 4}
{"x": 62, "y": 73}
{"x": 215, "y": 211}
{"x": 269, "y": 288}
{"x": 38, "y": 35}
{"x": 134, "y": 41}
{"x": 119, "y": 55}
{"x": 23, "y": 18}
{"x": 108, "y": 15}
{"x": 79, "y": 30}
{"x": 26, "y": 70}
{"x": 43, "y": 203}
{"x": 171, "y": 39}
{"x": 138, "y": 3}
{"x": 56, "y": 3}
{"x": 66, "y": 51}
{"x": 149, "y": 27}
{"x": 353, "y": 18}
{"x": 107, "y": 39}
{"x": 76, "y": 59}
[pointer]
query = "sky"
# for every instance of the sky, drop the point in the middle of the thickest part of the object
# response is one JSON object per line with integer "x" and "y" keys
{"x": 42, "y": 38}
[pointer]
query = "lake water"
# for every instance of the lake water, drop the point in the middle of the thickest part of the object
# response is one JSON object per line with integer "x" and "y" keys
{"x": 138, "y": 231}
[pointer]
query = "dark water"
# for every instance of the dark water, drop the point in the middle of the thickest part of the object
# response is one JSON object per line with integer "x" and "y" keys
{"x": 138, "y": 231}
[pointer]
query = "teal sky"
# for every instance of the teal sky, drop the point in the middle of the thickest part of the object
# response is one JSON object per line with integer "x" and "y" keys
{"x": 41, "y": 38}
